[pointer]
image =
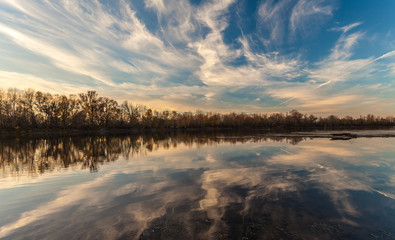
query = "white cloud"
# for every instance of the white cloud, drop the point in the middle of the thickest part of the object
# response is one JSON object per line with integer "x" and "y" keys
{"x": 386, "y": 55}
{"x": 46, "y": 85}
{"x": 182, "y": 58}
{"x": 308, "y": 12}
{"x": 346, "y": 28}
{"x": 339, "y": 66}
{"x": 272, "y": 15}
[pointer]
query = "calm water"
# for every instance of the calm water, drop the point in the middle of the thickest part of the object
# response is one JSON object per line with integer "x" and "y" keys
{"x": 197, "y": 187}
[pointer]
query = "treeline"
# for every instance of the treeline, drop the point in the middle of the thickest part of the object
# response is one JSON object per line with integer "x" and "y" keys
{"x": 30, "y": 109}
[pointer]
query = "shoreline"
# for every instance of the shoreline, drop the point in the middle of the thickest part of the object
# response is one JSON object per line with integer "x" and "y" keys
{"x": 337, "y": 134}
{"x": 340, "y": 135}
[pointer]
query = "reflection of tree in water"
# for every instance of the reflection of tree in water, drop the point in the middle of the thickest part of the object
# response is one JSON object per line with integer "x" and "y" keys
{"x": 264, "y": 201}
{"x": 36, "y": 155}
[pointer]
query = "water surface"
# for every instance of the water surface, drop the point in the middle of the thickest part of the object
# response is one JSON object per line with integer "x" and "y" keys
{"x": 201, "y": 186}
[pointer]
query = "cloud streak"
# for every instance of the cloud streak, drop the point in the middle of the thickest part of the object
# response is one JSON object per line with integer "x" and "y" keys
{"x": 163, "y": 51}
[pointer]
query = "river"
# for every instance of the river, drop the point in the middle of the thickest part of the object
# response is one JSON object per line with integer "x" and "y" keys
{"x": 197, "y": 186}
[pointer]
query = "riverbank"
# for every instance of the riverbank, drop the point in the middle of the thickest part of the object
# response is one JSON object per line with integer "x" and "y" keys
{"x": 340, "y": 134}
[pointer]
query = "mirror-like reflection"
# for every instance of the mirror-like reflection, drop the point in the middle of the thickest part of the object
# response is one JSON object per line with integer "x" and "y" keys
{"x": 34, "y": 156}
{"x": 197, "y": 186}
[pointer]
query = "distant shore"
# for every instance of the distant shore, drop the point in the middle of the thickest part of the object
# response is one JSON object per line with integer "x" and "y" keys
{"x": 340, "y": 134}
{"x": 333, "y": 134}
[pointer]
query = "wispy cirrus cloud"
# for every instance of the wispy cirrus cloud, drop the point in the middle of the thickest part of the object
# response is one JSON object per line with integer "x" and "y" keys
{"x": 346, "y": 28}
{"x": 62, "y": 58}
{"x": 339, "y": 66}
{"x": 307, "y": 13}
{"x": 272, "y": 17}
{"x": 45, "y": 85}
{"x": 175, "y": 54}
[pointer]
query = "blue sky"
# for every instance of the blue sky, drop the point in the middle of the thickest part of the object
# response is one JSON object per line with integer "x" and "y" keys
{"x": 317, "y": 56}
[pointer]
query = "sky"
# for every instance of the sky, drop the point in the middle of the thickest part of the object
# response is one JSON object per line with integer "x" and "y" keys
{"x": 317, "y": 56}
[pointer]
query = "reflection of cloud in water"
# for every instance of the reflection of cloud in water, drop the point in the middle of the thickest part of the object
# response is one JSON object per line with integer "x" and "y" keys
{"x": 318, "y": 160}
{"x": 320, "y": 170}
{"x": 214, "y": 182}
{"x": 210, "y": 158}
{"x": 220, "y": 185}
{"x": 313, "y": 158}
{"x": 64, "y": 199}
{"x": 166, "y": 188}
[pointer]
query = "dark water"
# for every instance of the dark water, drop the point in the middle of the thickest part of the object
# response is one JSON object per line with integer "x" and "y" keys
{"x": 197, "y": 187}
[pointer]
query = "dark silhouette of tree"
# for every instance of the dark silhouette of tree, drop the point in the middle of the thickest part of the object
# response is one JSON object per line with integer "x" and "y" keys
{"x": 89, "y": 105}
{"x": 30, "y": 110}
